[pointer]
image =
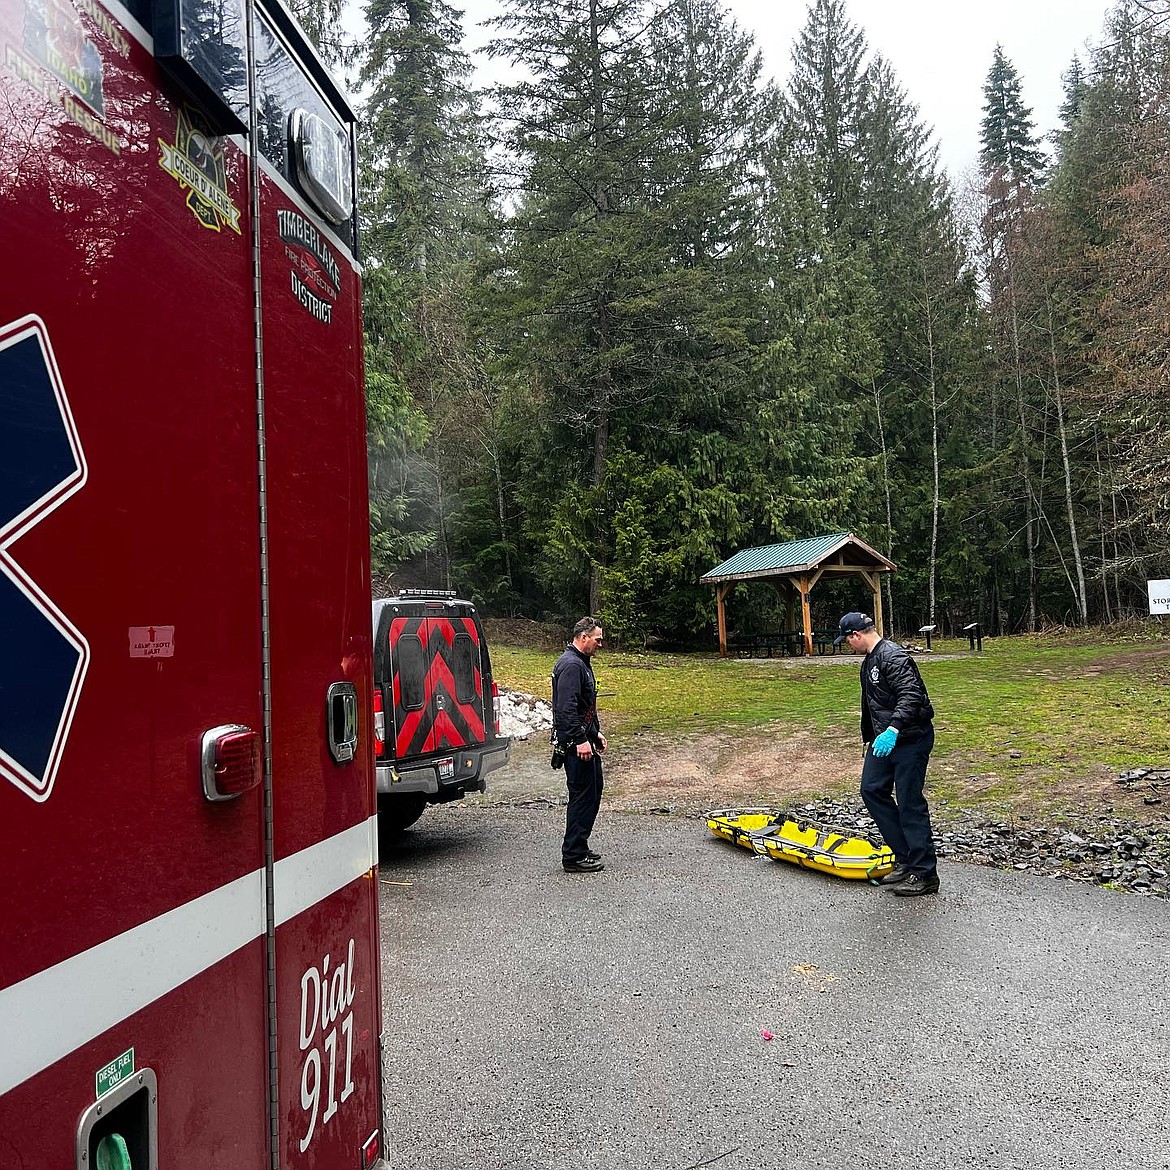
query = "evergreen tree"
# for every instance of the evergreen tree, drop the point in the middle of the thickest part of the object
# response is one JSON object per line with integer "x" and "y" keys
{"x": 1075, "y": 86}
{"x": 1008, "y": 142}
{"x": 579, "y": 136}
{"x": 819, "y": 345}
{"x": 422, "y": 170}
{"x": 630, "y": 294}
{"x": 825, "y": 104}
{"x": 690, "y": 433}
{"x": 321, "y": 20}
{"x": 1053, "y": 291}
{"x": 890, "y": 233}
{"x": 1108, "y": 202}
{"x": 1009, "y": 164}
{"x": 422, "y": 181}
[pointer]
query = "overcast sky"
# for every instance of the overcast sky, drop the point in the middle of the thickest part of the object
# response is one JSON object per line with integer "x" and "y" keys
{"x": 940, "y": 49}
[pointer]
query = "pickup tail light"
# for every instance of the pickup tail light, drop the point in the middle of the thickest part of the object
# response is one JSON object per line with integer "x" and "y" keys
{"x": 379, "y": 723}
{"x": 496, "y": 705}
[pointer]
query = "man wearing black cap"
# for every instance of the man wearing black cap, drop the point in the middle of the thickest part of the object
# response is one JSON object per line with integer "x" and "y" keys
{"x": 896, "y": 727}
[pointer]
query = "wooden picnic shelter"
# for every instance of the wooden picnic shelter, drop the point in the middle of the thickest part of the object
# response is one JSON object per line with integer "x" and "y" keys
{"x": 794, "y": 568}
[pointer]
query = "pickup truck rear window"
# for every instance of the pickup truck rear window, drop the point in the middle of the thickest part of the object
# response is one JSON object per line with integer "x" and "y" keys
{"x": 464, "y": 668}
{"x": 411, "y": 669}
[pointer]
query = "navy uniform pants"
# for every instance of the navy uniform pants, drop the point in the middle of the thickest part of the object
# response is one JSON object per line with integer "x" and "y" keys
{"x": 584, "y": 780}
{"x": 892, "y": 788}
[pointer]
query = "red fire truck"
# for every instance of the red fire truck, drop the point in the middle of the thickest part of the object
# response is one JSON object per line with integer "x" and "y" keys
{"x": 189, "y": 970}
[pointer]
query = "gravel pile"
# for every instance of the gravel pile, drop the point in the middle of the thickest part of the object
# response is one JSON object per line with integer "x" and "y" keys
{"x": 1106, "y": 850}
{"x": 1150, "y": 782}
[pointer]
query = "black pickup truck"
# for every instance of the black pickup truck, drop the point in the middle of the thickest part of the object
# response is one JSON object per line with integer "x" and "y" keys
{"x": 436, "y": 708}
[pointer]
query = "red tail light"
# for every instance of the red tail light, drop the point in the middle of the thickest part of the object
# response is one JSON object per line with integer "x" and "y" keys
{"x": 379, "y": 723}
{"x": 232, "y": 761}
{"x": 371, "y": 1151}
{"x": 496, "y": 706}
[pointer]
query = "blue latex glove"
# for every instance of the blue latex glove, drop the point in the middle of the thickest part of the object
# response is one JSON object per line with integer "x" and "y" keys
{"x": 884, "y": 744}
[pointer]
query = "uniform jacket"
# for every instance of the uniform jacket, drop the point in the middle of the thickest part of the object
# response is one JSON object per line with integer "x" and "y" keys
{"x": 893, "y": 694}
{"x": 575, "y": 699}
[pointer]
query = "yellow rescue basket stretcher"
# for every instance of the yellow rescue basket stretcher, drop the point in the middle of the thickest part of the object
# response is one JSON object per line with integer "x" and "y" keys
{"x": 802, "y": 842}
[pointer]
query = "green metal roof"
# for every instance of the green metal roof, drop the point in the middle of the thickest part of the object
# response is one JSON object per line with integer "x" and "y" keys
{"x": 779, "y": 558}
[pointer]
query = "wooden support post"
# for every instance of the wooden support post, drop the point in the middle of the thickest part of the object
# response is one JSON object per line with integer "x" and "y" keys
{"x": 874, "y": 581}
{"x": 721, "y": 619}
{"x": 806, "y": 614}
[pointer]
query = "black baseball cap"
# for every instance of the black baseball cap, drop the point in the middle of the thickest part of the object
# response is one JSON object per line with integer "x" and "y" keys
{"x": 852, "y": 623}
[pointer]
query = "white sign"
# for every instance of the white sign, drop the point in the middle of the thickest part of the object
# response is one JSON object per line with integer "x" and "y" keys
{"x": 1159, "y": 596}
{"x": 152, "y": 641}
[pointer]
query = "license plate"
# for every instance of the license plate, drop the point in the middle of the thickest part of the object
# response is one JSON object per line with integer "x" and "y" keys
{"x": 446, "y": 768}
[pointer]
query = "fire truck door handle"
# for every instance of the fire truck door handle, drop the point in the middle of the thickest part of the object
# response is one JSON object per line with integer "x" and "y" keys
{"x": 341, "y": 717}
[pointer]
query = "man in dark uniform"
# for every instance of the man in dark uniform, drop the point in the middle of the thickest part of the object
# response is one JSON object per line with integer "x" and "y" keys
{"x": 897, "y": 729}
{"x": 578, "y": 732}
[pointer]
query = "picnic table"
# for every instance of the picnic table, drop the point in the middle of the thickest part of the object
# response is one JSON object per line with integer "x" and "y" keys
{"x": 781, "y": 643}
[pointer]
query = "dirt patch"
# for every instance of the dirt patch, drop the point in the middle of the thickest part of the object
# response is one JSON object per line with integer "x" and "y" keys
{"x": 723, "y": 769}
{"x": 1140, "y": 658}
{"x": 696, "y": 772}
{"x": 768, "y": 767}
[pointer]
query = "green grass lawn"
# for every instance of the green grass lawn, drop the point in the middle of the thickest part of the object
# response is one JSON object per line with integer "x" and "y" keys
{"x": 1072, "y": 703}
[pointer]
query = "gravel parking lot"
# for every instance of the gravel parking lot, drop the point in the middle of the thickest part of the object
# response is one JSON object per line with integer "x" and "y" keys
{"x": 549, "y": 1021}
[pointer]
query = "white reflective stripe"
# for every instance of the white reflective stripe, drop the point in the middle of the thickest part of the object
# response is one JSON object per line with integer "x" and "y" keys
{"x": 308, "y": 877}
{"x": 50, "y": 1014}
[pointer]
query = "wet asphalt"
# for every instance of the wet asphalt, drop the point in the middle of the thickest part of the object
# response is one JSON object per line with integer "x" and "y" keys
{"x": 547, "y": 1021}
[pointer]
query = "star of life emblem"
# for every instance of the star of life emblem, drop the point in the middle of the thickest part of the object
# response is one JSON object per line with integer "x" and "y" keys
{"x": 43, "y": 656}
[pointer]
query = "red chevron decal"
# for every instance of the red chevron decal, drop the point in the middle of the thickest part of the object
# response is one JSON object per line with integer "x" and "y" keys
{"x": 402, "y": 741}
{"x": 441, "y": 673}
{"x": 433, "y": 727}
{"x": 445, "y": 732}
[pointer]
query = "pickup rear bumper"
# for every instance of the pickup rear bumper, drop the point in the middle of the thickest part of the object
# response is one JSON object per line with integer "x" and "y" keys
{"x": 445, "y": 777}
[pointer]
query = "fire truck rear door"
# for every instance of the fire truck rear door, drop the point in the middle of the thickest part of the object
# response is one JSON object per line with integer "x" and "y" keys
{"x": 324, "y": 822}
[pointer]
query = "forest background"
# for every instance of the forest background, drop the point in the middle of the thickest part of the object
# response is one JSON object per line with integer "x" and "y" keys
{"x": 640, "y": 308}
